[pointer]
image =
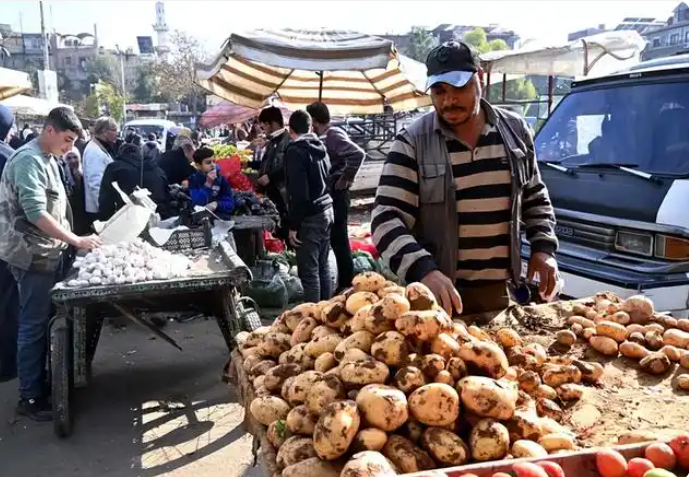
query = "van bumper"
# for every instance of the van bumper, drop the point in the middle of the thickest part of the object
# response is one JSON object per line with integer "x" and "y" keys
{"x": 669, "y": 292}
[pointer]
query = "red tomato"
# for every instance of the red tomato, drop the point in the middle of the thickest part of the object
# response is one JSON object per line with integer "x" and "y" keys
{"x": 553, "y": 469}
{"x": 661, "y": 455}
{"x": 502, "y": 474}
{"x": 528, "y": 469}
{"x": 680, "y": 446}
{"x": 638, "y": 467}
{"x": 611, "y": 463}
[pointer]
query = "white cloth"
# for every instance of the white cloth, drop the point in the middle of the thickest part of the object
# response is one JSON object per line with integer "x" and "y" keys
{"x": 95, "y": 160}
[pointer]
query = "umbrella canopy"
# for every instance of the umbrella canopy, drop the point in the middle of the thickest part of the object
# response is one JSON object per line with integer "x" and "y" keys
{"x": 29, "y": 106}
{"x": 228, "y": 113}
{"x": 13, "y": 82}
{"x": 352, "y": 73}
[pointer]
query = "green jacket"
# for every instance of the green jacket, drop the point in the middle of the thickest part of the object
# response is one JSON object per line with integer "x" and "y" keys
{"x": 31, "y": 184}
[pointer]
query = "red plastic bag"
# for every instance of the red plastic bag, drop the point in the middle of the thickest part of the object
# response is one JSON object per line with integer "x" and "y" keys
{"x": 240, "y": 182}
{"x": 272, "y": 244}
{"x": 365, "y": 245}
{"x": 229, "y": 166}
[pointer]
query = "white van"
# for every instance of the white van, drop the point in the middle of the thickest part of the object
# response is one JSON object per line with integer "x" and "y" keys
{"x": 161, "y": 127}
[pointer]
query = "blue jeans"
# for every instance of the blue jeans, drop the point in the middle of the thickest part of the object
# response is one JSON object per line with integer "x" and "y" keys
{"x": 9, "y": 322}
{"x": 312, "y": 256}
{"x": 34, "y": 316}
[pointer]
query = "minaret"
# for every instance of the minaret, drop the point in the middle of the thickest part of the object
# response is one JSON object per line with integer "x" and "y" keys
{"x": 161, "y": 29}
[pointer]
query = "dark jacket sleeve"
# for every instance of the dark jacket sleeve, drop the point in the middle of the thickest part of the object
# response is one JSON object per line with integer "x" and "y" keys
{"x": 353, "y": 156}
{"x": 225, "y": 197}
{"x": 108, "y": 198}
{"x": 297, "y": 187}
{"x": 200, "y": 194}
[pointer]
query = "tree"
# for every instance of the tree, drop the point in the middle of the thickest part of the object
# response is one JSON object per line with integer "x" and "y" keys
{"x": 497, "y": 45}
{"x": 179, "y": 71}
{"x": 146, "y": 88}
{"x": 477, "y": 38}
{"x": 103, "y": 67}
{"x": 420, "y": 44}
{"x": 103, "y": 100}
{"x": 4, "y": 52}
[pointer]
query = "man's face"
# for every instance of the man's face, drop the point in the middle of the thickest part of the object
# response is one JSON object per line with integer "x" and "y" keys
{"x": 111, "y": 135}
{"x": 72, "y": 160}
{"x": 59, "y": 143}
{"x": 268, "y": 128}
{"x": 456, "y": 106}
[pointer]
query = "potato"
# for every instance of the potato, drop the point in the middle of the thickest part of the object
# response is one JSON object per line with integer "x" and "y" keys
{"x": 529, "y": 381}
{"x": 524, "y": 425}
{"x": 292, "y": 318}
{"x": 562, "y": 375}
{"x": 677, "y": 338}
{"x": 639, "y": 308}
{"x": 580, "y": 320}
{"x": 251, "y": 361}
{"x": 294, "y": 450}
{"x": 637, "y": 338}
{"x": 526, "y": 449}
{"x": 445, "y": 447}
{"x": 578, "y": 330}
{"x": 478, "y": 333}
{"x": 566, "y": 337}
{"x": 508, "y": 338}
{"x": 375, "y": 321}
{"x": 391, "y": 289}
{"x": 383, "y": 407}
{"x": 312, "y": 467}
{"x": 390, "y": 348}
{"x": 545, "y": 391}
{"x": 268, "y": 409}
{"x": 406, "y": 456}
{"x": 434, "y": 405}
{"x": 431, "y": 365}
{"x": 302, "y": 332}
{"x": 356, "y": 355}
{"x": 637, "y": 437}
{"x": 489, "y": 440}
{"x": 325, "y": 362}
{"x": 420, "y": 297}
{"x": 588, "y": 333}
{"x": 486, "y": 397}
{"x": 424, "y": 325}
{"x": 655, "y": 363}
{"x": 368, "y": 464}
{"x": 321, "y": 331}
{"x": 684, "y": 360}
{"x": 262, "y": 367}
{"x": 537, "y": 351}
{"x": 361, "y": 373}
{"x": 370, "y": 439}
{"x": 369, "y": 282}
{"x": 409, "y": 378}
{"x": 635, "y": 328}
{"x": 259, "y": 382}
{"x": 654, "y": 327}
{"x": 277, "y": 433}
{"x": 604, "y": 345}
{"x": 667, "y": 322}
{"x": 301, "y": 421}
{"x": 359, "y": 300}
{"x": 557, "y": 442}
{"x": 683, "y": 324}
{"x": 611, "y": 330}
{"x": 590, "y": 372}
{"x": 484, "y": 359}
{"x": 445, "y": 345}
{"x": 548, "y": 408}
{"x": 633, "y": 350}
{"x": 334, "y": 315}
{"x": 620, "y": 317}
{"x": 276, "y": 376}
{"x": 297, "y": 355}
{"x": 256, "y": 336}
{"x": 326, "y": 344}
{"x": 682, "y": 382}
{"x": 247, "y": 351}
{"x": 570, "y": 392}
{"x": 324, "y": 391}
{"x": 591, "y": 315}
{"x": 261, "y": 392}
{"x": 359, "y": 340}
{"x": 579, "y": 309}
{"x": 296, "y": 390}
{"x": 336, "y": 429}
{"x": 654, "y": 340}
{"x": 394, "y": 306}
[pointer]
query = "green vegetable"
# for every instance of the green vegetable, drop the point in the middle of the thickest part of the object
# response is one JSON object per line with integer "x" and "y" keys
{"x": 281, "y": 428}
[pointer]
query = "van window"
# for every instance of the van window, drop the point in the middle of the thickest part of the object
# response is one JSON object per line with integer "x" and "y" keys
{"x": 643, "y": 126}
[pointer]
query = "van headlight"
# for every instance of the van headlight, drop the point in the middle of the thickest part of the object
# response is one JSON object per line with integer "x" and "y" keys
{"x": 634, "y": 242}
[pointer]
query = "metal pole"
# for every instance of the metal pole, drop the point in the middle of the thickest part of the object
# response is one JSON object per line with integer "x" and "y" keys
{"x": 551, "y": 85}
{"x": 320, "y": 87}
{"x": 46, "y": 57}
{"x": 487, "y": 88}
{"x": 124, "y": 92}
{"x": 504, "y": 87}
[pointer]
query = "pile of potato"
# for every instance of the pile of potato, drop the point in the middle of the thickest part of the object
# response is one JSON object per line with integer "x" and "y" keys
{"x": 633, "y": 329}
{"x": 380, "y": 381}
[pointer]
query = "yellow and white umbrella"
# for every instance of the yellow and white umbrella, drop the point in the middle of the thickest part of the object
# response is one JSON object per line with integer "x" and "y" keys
{"x": 13, "y": 82}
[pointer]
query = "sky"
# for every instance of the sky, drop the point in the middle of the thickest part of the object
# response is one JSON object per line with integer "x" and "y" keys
{"x": 119, "y": 23}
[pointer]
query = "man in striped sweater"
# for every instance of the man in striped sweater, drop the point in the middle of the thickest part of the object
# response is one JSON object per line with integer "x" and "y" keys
{"x": 454, "y": 191}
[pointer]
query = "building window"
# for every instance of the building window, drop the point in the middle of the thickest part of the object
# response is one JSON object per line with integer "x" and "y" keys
{"x": 686, "y": 37}
{"x": 68, "y": 60}
{"x": 674, "y": 39}
{"x": 656, "y": 42}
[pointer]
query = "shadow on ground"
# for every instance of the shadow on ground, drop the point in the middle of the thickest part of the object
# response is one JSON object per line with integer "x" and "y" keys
{"x": 151, "y": 410}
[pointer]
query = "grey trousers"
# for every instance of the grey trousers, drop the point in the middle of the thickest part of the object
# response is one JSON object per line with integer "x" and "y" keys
{"x": 312, "y": 256}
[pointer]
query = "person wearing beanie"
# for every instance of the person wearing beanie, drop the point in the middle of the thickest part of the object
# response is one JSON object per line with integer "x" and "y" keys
{"x": 209, "y": 189}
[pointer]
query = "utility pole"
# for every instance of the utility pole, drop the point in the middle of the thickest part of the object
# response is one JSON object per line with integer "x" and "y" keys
{"x": 46, "y": 56}
{"x": 124, "y": 93}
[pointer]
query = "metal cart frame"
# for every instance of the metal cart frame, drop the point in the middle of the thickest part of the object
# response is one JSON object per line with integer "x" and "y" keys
{"x": 76, "y": 327}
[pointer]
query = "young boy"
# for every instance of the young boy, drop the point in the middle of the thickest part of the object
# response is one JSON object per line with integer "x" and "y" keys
{"x": 207, "y": 188}
{"x": 310, "y": 214}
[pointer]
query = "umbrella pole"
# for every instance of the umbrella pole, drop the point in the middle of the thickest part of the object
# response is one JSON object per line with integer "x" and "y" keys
{"x": 320, "y": 86}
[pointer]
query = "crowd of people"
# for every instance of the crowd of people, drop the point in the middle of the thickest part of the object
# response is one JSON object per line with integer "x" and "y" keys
{"x": 57, "y": 182}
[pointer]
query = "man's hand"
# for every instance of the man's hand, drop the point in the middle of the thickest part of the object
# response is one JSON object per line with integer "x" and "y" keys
{"x": 210, "y": 177}
{"x": 545, "y": 266}
{"x": 213, "y": 206}
{"x": 444, "y": 291}
{"x": 88, "y": 242}
{"x": 293, "y": 240}
{"x": 342, "y": 183}
{"x": 263, "y": 180}
{"x": 258, "y": 142}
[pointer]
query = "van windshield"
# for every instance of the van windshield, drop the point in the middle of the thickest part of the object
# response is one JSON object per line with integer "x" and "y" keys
{"x": 644, "y": 126}
{"x": 145, "y": 129}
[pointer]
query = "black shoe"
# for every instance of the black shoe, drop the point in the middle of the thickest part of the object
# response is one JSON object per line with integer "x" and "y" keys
{"x": 35, "y": 409}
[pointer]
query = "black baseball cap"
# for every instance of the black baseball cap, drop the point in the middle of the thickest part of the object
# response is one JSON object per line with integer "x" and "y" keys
{"x": 454, "y": 62}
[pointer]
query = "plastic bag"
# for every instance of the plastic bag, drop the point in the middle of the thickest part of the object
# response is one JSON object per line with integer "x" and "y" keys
{"x": 364, "y": 262}
{"x": 267, "y": 293}
{"x": 295, "y": 290}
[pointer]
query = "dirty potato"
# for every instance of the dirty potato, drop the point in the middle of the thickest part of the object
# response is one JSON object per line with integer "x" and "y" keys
{"x": 369, "y": 282}
{"x": 294, "y": 450}
{"x": 383, "y": 407}
{"x": 486, "y": 397}
{"x": 484, "y": 359}
{"x": 370, "y": 439}
{"x": 394, "y": 306}
{"x": 336, "y": 429}
{"x": 268, "y": 409}
{"x": 361, "y": 373}
{"x": 434, "y": 405}
{"x": 407, "y": 456}
{"x": 301, "y": 421}
{"x": 489, "y": 440}
{"x": 324, "y": 390}
{"x": 390, "y": 348}
{"x": 508, "y": 338}
{"x": 420, "y": 297}
{"x": 445, "y": 446}
{"x": 409, "y": 379}
{"x": 325, "y": 362}
{"x": 276, "y": 376}
{"x": 424, "y": 325}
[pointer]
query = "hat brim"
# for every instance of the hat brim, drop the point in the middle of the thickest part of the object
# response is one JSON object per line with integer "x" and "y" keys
{"x": 458, "y": 79}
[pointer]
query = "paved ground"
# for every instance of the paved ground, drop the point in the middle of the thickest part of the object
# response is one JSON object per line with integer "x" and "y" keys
{"x": 127, "y": 424}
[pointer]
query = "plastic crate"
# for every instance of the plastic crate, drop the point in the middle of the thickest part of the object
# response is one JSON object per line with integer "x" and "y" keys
{"x": 191, "y": 239}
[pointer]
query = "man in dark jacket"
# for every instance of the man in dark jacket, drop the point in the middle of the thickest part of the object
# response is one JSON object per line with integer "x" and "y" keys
{"x": 310, "y": 215}
{"x": 345, "y": 159}
{"x": 130, "y": 169}
{"x": 176, "y": 163}
{"x": 9, "y": 299}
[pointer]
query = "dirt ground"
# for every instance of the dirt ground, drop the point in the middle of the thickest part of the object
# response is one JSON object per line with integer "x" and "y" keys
{"x": 151, "y": 410}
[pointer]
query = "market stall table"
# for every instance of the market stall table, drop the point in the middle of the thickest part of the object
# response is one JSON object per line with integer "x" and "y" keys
{"x": 248, "y": 235}
{"x": 211, "y": 288}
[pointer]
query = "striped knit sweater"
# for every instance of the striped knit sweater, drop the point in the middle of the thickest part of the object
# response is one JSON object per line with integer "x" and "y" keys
{"x": 482, "y": 190}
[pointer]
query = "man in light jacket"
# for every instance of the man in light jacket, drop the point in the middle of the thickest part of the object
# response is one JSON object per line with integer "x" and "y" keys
{"x": 99, "y": 152}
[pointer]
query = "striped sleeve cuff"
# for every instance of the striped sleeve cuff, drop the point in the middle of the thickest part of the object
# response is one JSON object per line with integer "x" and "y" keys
{"x": 544, "y": 246}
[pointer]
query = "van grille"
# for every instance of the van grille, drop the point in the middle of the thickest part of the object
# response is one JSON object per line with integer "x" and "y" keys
{"x": 587, "y": 234}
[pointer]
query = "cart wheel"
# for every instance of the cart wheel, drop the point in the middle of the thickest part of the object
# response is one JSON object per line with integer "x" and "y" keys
{"x": 251, "y": 320}
{"x": 61, "y": 376}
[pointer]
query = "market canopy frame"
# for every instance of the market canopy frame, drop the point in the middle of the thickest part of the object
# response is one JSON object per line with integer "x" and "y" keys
{"x": 13, "y": 82}
{"x": 351, "y": 72}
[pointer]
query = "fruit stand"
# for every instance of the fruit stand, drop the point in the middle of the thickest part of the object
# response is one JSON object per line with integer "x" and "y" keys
{"x": 379, "y": 382}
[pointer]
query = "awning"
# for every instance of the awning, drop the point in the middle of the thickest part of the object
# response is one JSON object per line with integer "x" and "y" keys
{"x": 29, "y": 106}
{"x": 590, "y": 56}
{"x": 13, "y": 82}
{"x": 352, "y": 73}
{"x": 228, "y": 113}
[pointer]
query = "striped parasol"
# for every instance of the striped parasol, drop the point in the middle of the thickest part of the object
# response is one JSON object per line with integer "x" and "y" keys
{"x": 13, "y": 83}
{"x": 352, "y": 73}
